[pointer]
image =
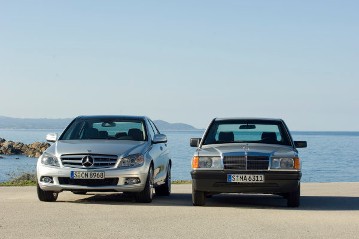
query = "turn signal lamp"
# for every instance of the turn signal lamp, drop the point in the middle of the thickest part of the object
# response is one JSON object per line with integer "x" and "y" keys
{"x": 195, "y": 162}
{"x": 296, "y": 163}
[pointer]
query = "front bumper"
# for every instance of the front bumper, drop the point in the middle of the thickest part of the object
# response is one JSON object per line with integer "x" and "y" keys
{"x": 114, "y": 180}
{"x": 275, "y": 182}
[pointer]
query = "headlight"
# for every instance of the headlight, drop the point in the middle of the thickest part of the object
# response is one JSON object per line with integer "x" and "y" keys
{"x": 133, "y": 160}
{"x": 285, "y": 163}
{"x": 50, "y": 160}
{"x": 206, "y": 162}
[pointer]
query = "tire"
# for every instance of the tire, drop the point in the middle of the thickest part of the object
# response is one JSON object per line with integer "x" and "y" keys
{"x": 198, "y": 198}
{"x": 128, "y": 195}
{"x": 209, "y": 195}
{"x": 165, "y": 189}
{"x": 284, "y": 195}
{"x": 46, "y": 196}
{"x": 293, "y": 198}
{"x": 146, "y": 195}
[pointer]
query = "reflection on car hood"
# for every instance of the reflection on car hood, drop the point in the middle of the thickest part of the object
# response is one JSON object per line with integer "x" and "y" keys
{"x": 251, "y": 149}
{"x": 111, "y": 147}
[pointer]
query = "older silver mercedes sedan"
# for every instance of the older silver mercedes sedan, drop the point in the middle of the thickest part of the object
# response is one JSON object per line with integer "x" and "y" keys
{"x": 246, "y": 155}
{"x": 106, "y": 154}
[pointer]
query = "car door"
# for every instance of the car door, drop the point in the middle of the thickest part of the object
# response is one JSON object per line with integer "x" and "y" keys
{"x": 160, "y": 170}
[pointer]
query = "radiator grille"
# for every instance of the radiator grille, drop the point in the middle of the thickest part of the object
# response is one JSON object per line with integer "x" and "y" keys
{"x": 100, "y": 160}
{"x": 246, "y": 163}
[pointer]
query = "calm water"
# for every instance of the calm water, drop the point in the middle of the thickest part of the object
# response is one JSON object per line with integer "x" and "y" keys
{"x": 330, "y": 156}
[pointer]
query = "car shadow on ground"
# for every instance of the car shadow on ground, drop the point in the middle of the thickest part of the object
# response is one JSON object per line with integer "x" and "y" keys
{"x": 310, "y": 203}
{"x": 124, "y": 199}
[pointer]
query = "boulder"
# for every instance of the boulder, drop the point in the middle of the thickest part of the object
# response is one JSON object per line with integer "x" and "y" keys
{"x": 35, "y": 145}
{"x": 31, "y": 150}
{"x": 7, "y": 147}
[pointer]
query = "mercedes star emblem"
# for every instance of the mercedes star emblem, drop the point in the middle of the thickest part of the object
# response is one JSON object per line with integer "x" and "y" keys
{"x": 246, "y": 149}
{"x": 87, "y": 161}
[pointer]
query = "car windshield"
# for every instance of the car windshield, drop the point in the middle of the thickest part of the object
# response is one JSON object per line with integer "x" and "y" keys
{"x": 246, "y": 131}
{"x": 105, "y": 128}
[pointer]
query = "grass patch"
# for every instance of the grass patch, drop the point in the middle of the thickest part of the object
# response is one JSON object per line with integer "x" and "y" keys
{"x": 25, "y": 179}
{"x": 182, "y": 182}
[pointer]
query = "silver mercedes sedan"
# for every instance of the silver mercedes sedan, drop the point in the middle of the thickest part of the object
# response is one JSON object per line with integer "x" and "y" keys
{"x": 106, "y": 154}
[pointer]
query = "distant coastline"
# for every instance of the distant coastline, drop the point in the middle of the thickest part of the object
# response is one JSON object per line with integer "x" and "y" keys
{"x": 11, "y": 123}
{"x": 336, "y": 133}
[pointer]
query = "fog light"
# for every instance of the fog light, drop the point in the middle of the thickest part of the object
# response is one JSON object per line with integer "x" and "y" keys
{"x": 46, "y": 179}
{"x": 130, "y": 181}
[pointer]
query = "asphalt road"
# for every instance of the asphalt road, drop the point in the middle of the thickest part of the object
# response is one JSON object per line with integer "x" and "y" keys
{"x": 328, "y": 210}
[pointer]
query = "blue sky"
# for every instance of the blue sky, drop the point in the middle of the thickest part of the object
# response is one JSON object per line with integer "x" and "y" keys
{"x": 183, "y": 61}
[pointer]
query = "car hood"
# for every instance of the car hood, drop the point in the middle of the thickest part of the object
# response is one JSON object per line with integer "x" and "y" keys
{"x": 110, "y": 147}
{"x": 250, "y": 149}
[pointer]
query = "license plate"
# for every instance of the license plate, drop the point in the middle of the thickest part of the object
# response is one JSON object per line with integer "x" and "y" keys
{"x": 245, "y": 178}
{"x": 87, "y": 175}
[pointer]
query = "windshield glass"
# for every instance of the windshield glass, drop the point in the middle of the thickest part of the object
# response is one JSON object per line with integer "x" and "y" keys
{"x": 105, "y": 128}
{"x": 247, "y": 131}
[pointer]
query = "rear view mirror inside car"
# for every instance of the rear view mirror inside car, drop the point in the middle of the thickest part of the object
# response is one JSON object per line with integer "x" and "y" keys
{"x": 247, "y": 126}
{"x": 108, "y": 124}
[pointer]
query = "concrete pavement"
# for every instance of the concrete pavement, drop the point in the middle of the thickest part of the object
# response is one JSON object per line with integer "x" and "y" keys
{"x": 328, "y": 210}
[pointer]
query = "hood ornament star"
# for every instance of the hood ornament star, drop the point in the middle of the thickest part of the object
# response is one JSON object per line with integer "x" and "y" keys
{"x": 246, "y": 149}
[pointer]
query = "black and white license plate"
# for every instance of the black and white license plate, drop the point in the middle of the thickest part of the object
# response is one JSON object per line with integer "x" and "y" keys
{"x": 87, "y": 175}
{"x": 245, "y": 178}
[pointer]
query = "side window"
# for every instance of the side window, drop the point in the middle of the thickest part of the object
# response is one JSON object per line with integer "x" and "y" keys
{"x": 154, "y": 127}
{"x": 151, "y": 130}
{"x": 74, "y": 131}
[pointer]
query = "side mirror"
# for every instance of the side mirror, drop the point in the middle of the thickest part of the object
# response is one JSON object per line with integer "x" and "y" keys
{"x": 300, "y": 144}
{"x": 194, "y": 142}
{"x": 51, "y": 137}
{"x": 159, "y": 138}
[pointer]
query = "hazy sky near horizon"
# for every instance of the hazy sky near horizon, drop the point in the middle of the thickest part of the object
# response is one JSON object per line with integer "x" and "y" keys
{"x": 183, "y": 61}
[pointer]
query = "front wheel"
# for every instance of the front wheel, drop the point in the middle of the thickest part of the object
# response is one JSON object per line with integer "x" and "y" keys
{"x": 293, "y": 198}
{"x": 198, "y": 198}
{"x": 165, "y": 189}
{"x": 46, "y": 196}
{"x": 146, "y": 195}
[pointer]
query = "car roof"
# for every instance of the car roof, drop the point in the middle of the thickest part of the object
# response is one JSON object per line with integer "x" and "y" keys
{"x": 246, "y": 118}
{"x": 111, "y": 117}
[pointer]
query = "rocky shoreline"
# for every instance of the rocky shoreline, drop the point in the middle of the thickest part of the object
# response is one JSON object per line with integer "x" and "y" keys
{"x": 33, "y": 150}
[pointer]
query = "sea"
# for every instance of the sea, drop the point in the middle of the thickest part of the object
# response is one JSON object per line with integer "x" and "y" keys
{"x": 329, "y": 157}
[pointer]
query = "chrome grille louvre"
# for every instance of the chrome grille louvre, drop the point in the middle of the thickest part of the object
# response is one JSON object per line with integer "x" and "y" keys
{"x": 246, "y": 163}
{"x": 100, "y": 160}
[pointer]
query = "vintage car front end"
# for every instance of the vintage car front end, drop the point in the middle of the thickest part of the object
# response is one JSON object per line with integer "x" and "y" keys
{"x": 245, "y": 172}
{"x": 246, "y": 162}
